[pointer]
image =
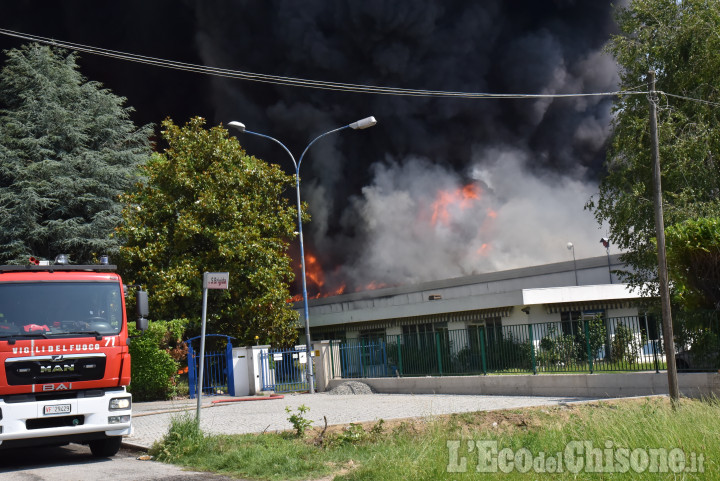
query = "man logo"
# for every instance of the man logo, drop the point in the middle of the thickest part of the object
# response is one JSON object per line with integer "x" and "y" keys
{"x": 57, "y": 368}
{"x": 58, "y": 357}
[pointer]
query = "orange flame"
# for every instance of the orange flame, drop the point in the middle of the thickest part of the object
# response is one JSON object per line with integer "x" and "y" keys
{"x": 340, "y": 290}
{"x": 461, "y": 197}
{"x": 372, "y": 286}
{"x": 314, "y": 271}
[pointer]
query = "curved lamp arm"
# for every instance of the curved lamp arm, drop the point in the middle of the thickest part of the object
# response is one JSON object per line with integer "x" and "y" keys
{"x": 241, "y": 127}
{"x": 359, "y": 125}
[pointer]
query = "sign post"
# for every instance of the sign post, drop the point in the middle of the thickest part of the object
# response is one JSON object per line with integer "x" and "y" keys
{"x": 211, "y": 280}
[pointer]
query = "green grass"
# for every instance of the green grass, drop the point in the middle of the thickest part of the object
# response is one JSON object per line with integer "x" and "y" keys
{"x": 420, "y": 450}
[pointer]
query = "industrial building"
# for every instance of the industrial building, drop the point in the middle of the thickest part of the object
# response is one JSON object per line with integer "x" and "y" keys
{"x": 562, "y": 293}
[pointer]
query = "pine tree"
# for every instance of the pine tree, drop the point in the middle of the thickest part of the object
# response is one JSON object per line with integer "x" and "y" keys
{"x": 68, "y": 149}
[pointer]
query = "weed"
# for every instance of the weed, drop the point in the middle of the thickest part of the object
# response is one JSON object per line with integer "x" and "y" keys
{"x": 298, "y": 420}
{"x": 183, "y": 437}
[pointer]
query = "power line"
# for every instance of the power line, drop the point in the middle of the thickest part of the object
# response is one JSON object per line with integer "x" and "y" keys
{"x": 682, "y": 97}
{"x": 296, "y": 82}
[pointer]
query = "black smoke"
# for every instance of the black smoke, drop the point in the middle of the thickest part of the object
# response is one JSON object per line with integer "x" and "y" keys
{"x": 535, "y": 161}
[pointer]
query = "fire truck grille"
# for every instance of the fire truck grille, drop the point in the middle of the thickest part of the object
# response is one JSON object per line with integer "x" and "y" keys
{"x": 51, "y": 371}
{"x": 55, "y": 422}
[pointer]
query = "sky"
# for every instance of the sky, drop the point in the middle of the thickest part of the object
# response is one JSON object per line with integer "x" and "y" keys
{"x": 441, "y": 187}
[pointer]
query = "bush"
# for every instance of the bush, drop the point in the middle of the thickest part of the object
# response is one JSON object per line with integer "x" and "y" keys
{"x": 509, "y": 353}
{"x": 154, "y": 370}
{"x": 597, "y": 333}
{"x": 556, "y": 349}
{"x": 624, "y": 346}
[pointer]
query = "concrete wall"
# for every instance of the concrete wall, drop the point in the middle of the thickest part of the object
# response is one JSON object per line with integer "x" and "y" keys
{"x": 571, "y": 385}
{"x": 324, "y": 355}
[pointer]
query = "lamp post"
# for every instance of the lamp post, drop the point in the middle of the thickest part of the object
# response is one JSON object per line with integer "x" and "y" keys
{"x": 359, "y": 125}
{"x": 570, "y": 246}
{"x": 606, "y": 244}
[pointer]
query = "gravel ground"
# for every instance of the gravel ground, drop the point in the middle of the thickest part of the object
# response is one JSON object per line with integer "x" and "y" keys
{"x": 151, "y": 420}
{"x": 351, "y": 387}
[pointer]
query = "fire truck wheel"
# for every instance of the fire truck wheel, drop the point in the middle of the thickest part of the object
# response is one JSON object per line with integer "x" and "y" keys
{"x": 104, "y": 448}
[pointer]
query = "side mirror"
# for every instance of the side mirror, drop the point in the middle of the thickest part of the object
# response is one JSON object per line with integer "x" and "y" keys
{"x": 141, "y": 297}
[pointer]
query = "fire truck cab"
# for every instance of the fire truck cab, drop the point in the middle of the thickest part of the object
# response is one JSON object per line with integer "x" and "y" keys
{"x": 64, "y": 359}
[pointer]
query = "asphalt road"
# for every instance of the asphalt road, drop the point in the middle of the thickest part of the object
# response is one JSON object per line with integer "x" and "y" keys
{"x": 75, "y": 463}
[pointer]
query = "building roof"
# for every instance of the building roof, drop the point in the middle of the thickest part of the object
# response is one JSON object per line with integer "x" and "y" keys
{"x": 566, "y": 267}
{"x": 492, "y": 293}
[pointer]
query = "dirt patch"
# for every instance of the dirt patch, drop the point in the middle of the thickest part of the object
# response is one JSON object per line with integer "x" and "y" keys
{"x": 508, "y": 420}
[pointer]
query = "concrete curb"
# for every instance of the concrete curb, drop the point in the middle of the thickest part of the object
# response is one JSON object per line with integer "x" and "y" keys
{"x": 133, "y": 447}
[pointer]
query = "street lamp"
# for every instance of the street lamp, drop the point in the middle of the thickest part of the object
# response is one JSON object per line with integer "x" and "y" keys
{"x": 606, "y": 244}
{"x": 570, "y": 246}
{"x": 359, "y": 125}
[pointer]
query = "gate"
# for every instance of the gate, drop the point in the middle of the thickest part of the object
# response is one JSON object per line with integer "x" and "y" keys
{"x": 284, "y": 370}
{"x": 218, "y": 369}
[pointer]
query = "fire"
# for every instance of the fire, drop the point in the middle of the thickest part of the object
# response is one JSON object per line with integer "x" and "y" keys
{"x": 372, "y": 286}
{"x": 462, "y": 197}
{"x": 314, "y": 271}
{"x": 315, "y": 278}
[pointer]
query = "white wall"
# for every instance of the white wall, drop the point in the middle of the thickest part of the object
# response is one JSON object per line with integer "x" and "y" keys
{"x": 538, "y": 314}
{"x": 393, "y": 331}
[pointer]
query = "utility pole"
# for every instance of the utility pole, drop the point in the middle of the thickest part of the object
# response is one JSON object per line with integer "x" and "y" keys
{"x": 669, "y": 343}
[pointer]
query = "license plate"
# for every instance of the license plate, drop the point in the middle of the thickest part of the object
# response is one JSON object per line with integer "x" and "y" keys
{"x": 57, "y": 409}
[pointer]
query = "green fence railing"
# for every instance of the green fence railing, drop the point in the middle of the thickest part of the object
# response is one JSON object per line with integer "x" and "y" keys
{"x": 587, "y": 345}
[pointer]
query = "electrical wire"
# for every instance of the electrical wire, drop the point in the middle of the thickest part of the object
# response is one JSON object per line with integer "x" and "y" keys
{"x": 297, "y": 82}
{"x": 682, "y": 97}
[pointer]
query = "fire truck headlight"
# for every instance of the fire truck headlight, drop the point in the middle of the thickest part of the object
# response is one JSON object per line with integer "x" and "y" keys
{"x": 119, "y": 419}
{"x": 119, "y": 403}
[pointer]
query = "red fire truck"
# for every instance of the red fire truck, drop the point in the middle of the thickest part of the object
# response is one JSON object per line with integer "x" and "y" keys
{"x": 64, "y": 360}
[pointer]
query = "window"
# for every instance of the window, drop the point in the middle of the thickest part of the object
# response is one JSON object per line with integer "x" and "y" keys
{"x": 649, "y": 326}
{"x": 60, "y": 307}
{"x": 371, "y": 336}
{"x": 569, "y": 322}
{"x": 338, "y": 335}
{"x": 423, "y": 335}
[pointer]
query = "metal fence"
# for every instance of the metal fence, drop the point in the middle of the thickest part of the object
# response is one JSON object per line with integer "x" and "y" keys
{"x": 587, "y": 345}
{"x": 284, "y": 370}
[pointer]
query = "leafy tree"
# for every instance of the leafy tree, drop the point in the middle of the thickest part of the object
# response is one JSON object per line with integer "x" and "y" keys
{"x": 679, "y": 41}
{"x": 68, "y": 149}
{"x": 206, "y": 206}
{"x": 693, "y": 252}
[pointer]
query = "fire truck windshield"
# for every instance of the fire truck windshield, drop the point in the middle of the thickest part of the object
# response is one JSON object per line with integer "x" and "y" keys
{"x": 46, "y": 309}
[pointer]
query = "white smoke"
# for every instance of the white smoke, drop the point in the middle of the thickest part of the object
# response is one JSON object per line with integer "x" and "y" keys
{"x": 518, "y": 219}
